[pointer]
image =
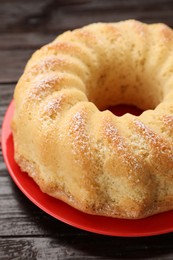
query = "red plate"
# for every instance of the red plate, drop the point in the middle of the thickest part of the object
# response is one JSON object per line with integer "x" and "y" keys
{"x": 158, "y": 224}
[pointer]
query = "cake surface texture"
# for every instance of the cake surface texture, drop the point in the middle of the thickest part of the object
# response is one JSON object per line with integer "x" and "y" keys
{"x": 78, "y": 151}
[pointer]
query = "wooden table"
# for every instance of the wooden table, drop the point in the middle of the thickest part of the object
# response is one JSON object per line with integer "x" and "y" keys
{"x": 26, "y": 232}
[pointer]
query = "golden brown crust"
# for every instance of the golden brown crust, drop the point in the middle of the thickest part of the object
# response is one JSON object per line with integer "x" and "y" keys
{"x": 96, "y": 162}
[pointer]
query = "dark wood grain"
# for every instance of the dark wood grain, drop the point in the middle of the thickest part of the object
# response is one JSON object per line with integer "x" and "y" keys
{"x": 15, "y": 50}
{"x": 57, "y": 16}
{"x": 83, "y": 247}
{"x": 15, "y": 61}
{"x": 24, "y": 41}
{"x": 26, "y": 232}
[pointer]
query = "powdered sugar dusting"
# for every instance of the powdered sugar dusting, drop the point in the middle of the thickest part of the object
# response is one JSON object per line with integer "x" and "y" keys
{"x": 53, "y": 106}
{"x": 112, "y": 134}
{"x": 158, "y": 146}
{"x": 43, "y": 84}
{"x": 121, "y": 148}
{"x": 48, "y": 64}
{"x": 145, "y": 131}
{"x": 45, "y": 65}
{"x": 168, "y": 120}
{"x": 79, "y": 137}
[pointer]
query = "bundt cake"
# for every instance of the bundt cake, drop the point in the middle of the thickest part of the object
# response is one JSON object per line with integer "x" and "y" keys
{"x": 68, "y": 141}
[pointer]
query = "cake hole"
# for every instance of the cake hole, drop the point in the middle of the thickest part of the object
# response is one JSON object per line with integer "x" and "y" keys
{"x": 122, "y": 109}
